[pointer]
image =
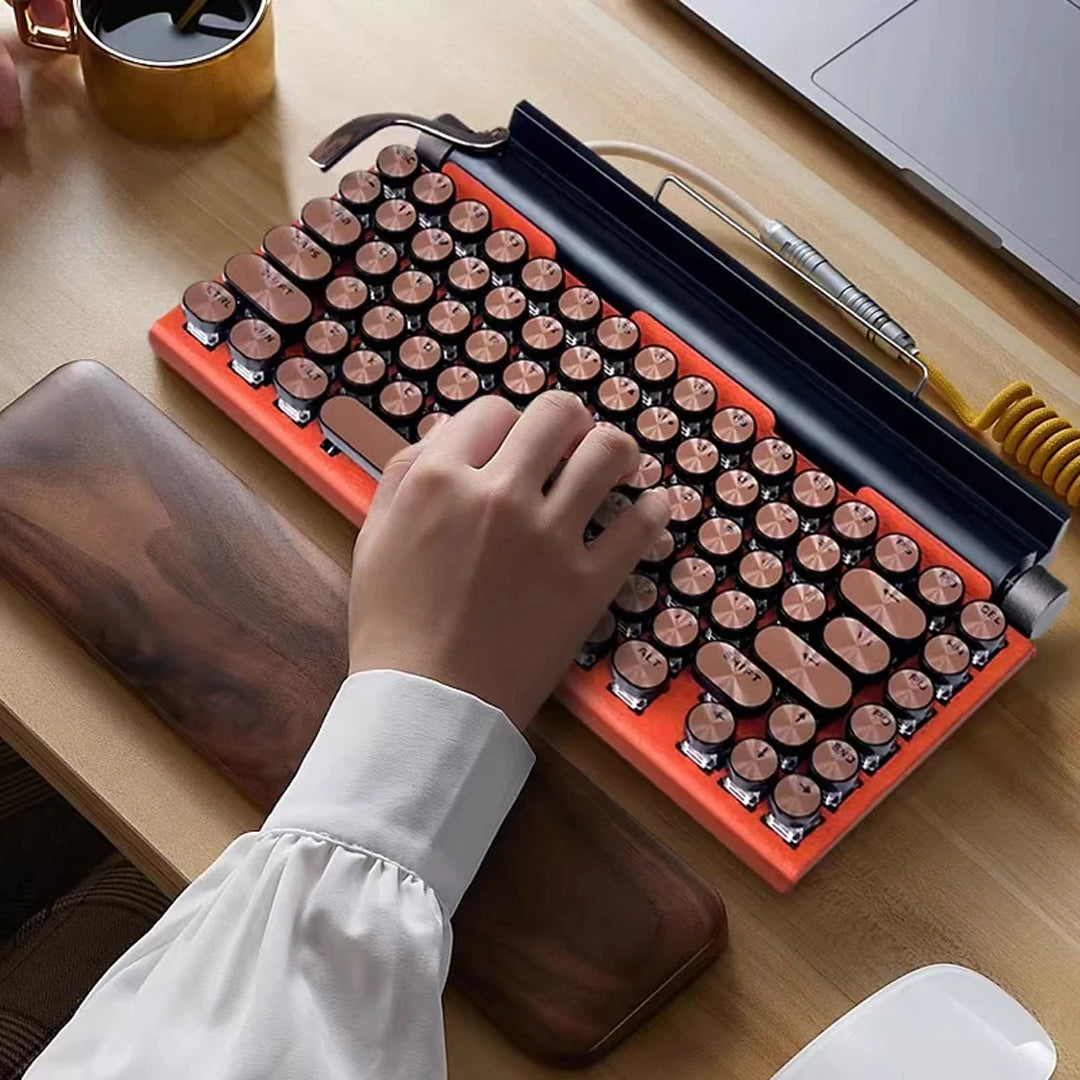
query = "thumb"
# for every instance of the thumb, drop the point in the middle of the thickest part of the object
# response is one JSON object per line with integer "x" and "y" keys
{"x": 52, "y": 13}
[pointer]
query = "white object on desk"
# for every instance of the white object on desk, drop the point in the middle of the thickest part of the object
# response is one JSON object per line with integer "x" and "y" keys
{"x": 939, "y": 1023}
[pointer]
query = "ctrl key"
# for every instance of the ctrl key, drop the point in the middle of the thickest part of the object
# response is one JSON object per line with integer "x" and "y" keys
{"x": 639, "y": 674}
{"x": 209, "y": 309}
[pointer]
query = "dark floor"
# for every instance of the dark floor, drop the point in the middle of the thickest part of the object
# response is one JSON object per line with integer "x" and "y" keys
{"x": 69, "y": 906}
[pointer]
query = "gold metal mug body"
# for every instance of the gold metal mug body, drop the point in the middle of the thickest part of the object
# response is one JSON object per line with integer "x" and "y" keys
{"x": 203, "y": 98}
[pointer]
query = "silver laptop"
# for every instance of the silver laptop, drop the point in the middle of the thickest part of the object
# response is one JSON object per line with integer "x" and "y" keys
{"x": 975, "y": 103}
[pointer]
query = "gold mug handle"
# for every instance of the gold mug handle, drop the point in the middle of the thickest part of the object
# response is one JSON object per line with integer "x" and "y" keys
{"x": 45, "y": 37}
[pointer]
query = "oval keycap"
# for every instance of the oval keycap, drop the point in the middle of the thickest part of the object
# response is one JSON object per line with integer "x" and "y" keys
{"x": 267, "y": 290}
{"x": 725, "y": 672}
{"x": 893, "y": 614}
{"x": 802, "y": 669}
{"x": 359, "y": 434}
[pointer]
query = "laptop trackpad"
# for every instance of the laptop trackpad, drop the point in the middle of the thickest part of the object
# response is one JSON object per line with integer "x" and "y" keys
{"x": 983, "y": 94}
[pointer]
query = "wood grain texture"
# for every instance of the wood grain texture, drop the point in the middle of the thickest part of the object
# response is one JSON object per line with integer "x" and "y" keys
{"x": 974, "y": 859}
{"x": 231, "y": 626}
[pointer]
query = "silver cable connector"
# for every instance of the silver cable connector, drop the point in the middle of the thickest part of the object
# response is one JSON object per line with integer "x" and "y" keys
{"x": 887, "y": 334}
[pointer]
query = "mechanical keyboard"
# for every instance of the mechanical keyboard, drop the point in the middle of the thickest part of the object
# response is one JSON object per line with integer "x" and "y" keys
{"x": 800, "y": 638}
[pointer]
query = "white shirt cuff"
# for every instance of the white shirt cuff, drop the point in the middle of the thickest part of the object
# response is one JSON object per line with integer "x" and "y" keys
{"x": 412, "y": 770}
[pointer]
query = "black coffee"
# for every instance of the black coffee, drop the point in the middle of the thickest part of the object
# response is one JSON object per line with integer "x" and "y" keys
{"x": 145, "y": 29}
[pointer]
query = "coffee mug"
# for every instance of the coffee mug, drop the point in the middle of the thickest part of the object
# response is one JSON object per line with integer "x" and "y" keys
{"x": 172, "y": 95}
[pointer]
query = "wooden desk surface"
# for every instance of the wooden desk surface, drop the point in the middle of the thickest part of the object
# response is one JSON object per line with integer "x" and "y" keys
{"x": 975, "y": 860}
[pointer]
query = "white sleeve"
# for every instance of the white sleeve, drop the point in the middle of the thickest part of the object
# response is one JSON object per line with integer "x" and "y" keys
{"x": 319, "y": 946}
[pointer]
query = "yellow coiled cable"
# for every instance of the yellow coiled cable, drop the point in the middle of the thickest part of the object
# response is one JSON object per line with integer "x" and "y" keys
{"x": 1027, "y": 428}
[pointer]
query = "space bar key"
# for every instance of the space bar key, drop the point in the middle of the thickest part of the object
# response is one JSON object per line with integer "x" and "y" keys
{"x": 359, "y": 434}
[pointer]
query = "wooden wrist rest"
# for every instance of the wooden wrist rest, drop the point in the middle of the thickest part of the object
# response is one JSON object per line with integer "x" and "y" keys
{"x": 231, "y": 626}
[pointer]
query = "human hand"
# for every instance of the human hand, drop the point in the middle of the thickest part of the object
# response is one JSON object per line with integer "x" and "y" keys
{"x": 47, "y": 13}
{"x": 473, "y": 571}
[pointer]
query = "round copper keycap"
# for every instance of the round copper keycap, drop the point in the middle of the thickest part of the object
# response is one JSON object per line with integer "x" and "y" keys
{"x": 692, "y": 578}
{"x": 819, "y": 554}
{"x": 733, "y": 610}
{"x": 578, "y": 305}
{"x": 813, "y": 490}
{"x": 884, "y": 606}
{"x": 640, "y": 665}
{"x": 791, "y": 727}
{"x": 346, "y": 294}
{"x": 776, "y": 522}
{"x": 655, "y": 364}
{"x": 469, "y": 275}
{"x": 697, "y": 458}
{"x": 797, "y": 797}
{"x": 617, "y": 334}
{"x": 457, "y": 384}
{"x": 326, "y": 337}
{"x": 524, "y": 378}
{"x": 360, "y": 188}
{"x": 897, "y": 554}
{"x": 772, "y": 458}
{"x": 760, "y": 570}
{"x": 803, "y": 604}
{"x": 293, "y": 250}
{"x": 542, "y": 333}
{"x": 675, "y": 629}
{"x": 302, "y": 378}
{"x": 431, "y": 423}
{"x": 733, "y": 428}
{"x": 469, "y": 217}
{"x": 637, "y": 595}
{"x": 855, "y": 521}
{"x": 541, "y": 276}
{"x": 383, "y": 323}
{"x": 615, "y": 502}
{"x": 694, "y": 396}
{"x": 397, "y": 161}
{"x": 210, "y": 301}
{"x": 505, "y": 247}
{"x": 940, "y": 588}
{"x": 835, "y": 760}
{"x": 719, "y": 538}
{"x": 449, "y": 318}
{"x": 412, "y": 289}
{"x": 753, "y": 761}
{"x": 431, "y": 246}
{"x": 580, "y": 364}
{"x": 872, "y": 726}
{"x": 947, "y": 655}
{"x": 657, "y": 425}
{"x": 255, "y": 339}
{"x": 505, "y": 304}
{"x": 618, "y": 395}
{"x": 685, "y": 503}
{"x": 710, "y": 724}
{"x": 649, "y": 473}
{"x": 376, "y": 259}
{"x": 857, "y": 646}
{"x": 486, "y": 349}
{"x": 333, "y": 223}
{"x": 909, "y": 690}
{"x": 401, "y": 399}
{"x": 419, "y": 355}
{"x": 433, "y": 190}
{"x": 736, "y": 489}
{"x": 982, "y": 621}
{"x": 726, "y": 672}
{"x": 363, "y": 368}
{"x": 395, "y": 217}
